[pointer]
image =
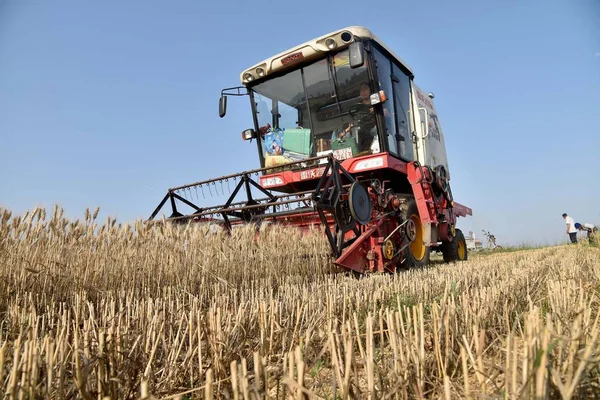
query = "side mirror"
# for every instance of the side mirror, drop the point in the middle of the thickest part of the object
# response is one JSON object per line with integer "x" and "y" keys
{"x": 357, "y": 55}
{"x": 249, "y": 134}
{"x": 222, "y": 106}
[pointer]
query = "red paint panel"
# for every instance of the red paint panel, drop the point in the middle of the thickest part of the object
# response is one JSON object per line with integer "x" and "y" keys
{"x": 351, "y": 164}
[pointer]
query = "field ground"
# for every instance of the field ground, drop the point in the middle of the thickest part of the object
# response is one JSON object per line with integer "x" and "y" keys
{"x": 98, "y": 310}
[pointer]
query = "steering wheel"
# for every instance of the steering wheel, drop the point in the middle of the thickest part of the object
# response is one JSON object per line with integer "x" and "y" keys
{"x": 360, "y": 111}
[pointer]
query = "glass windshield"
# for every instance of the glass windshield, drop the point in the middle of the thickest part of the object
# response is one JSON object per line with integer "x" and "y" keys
{"x": 333, "y": 114}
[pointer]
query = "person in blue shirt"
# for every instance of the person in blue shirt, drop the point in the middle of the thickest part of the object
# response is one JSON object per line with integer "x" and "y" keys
{"x": 588, "y": 228}
{"x": 344, "y": 132}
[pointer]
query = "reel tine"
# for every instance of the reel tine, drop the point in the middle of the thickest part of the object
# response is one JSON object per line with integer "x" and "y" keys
{"x": 210, "y": 190}
{"x": 228, "y": 188}
{"x": 202, "y": 189}
{"x": 196, "y": 189}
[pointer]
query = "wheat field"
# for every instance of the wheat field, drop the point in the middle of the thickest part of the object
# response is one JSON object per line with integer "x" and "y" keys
{"x": 100, "y": 310}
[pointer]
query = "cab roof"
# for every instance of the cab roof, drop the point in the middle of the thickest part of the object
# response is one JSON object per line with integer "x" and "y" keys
{"x": 314, "y": 48}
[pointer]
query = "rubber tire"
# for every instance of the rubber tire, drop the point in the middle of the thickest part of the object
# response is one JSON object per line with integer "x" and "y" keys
{"x": 450, "y": 249}
{"x": 410, "y": 260}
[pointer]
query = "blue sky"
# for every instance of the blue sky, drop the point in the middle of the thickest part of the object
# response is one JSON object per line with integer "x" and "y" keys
{"x": 110, "y": 103}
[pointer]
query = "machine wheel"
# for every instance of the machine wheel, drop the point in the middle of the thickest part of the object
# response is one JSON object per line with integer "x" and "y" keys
{"x": 416, "y": 254}
{"x": 456, "y": 250}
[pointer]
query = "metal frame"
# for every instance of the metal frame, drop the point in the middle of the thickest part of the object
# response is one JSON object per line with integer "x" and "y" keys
{"x": 329, "y": 197}
{"x": 246, "y": 210}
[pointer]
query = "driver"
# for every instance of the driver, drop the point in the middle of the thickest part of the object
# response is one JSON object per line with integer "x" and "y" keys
{"x": 365, "y": 94}
{"x": 366, "y": 119}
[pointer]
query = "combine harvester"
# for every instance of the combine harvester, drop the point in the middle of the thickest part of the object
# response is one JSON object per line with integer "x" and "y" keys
{"x": 346, "y": 140}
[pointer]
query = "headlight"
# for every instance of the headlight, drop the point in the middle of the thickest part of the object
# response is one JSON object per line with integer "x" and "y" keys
{"x": 368, "y": 164}
{"x": 379, "y": 97}
{"x": 331, "y": 44}
{"x": 260, "y": 72}
{"x": 248, "y": 76}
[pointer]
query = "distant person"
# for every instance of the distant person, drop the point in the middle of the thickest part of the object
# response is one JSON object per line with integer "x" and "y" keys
{"x": 571, "y": 230}
{"x": 589, "y": 229}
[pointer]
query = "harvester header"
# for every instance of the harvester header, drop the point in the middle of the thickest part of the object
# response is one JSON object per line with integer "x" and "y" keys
{"x": 347, "y": 141}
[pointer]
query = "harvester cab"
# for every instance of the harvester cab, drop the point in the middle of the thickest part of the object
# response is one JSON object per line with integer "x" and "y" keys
{"x": 345, "y": 140}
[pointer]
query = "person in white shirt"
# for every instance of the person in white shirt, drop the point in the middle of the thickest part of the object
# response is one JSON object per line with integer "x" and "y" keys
{"x": 571, "y": 230}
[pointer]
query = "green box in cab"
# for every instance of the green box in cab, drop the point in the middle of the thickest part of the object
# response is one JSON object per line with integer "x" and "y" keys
{"x": 346, "y": 148}
{"x": 297, "y": 141}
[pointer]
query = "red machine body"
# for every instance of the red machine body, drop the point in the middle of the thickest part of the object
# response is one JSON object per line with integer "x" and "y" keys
{"x": 366, "y": 253}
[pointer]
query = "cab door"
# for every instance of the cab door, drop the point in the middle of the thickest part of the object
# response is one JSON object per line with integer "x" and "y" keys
{"x": 429, "y": 138}
{"x": 396, "y": 84}
{"x": 401, "y": 85}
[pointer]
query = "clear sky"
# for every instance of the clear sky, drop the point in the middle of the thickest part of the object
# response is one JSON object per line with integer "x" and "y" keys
{"x": 110, "y": 103}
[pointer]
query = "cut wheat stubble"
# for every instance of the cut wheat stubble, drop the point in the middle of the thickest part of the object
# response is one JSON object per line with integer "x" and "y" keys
{"x": 108, "y": 310}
